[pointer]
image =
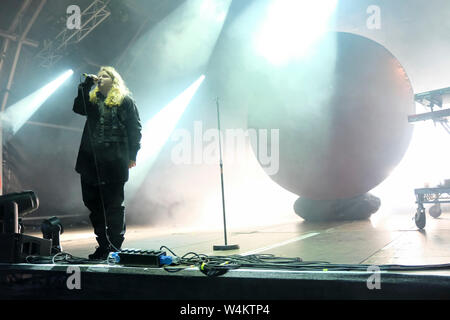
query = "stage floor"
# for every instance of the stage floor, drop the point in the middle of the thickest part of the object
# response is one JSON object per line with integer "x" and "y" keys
{"x": 381, "y": 240}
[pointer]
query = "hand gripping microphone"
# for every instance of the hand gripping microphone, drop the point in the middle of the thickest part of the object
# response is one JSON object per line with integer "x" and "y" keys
{"x": 92, "y": 76}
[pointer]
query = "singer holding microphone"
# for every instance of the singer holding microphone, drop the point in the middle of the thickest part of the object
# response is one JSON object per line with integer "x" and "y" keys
{"x": 109, "y": 145}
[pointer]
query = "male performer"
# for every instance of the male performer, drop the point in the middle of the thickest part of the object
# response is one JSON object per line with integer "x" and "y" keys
{"x": 109, "y": 145}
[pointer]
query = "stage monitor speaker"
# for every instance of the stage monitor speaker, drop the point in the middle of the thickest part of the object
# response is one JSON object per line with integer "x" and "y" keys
{"x": 15, "y": 247}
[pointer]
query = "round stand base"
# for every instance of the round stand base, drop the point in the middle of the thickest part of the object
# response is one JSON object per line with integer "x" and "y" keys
{"x": 226, "y": 247}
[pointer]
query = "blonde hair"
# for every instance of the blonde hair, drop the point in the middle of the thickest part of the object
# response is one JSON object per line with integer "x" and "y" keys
{"x": 118, "y": 91}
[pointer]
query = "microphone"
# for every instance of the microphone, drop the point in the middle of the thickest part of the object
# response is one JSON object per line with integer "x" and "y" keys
{"x": 92, "y": 76}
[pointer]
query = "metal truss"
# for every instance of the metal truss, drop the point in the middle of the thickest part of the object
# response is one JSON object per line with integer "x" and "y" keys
{"x": 432, "y": 195}
{"x": 91, "y": 17}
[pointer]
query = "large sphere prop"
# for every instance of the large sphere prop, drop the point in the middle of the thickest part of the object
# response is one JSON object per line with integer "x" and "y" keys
{"x": 342, "y": 114}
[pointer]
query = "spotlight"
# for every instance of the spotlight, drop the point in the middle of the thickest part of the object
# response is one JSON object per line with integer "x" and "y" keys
{"x": 14, "y": 205}
{"x": 27, "y": 201}
{"x": 51, "y": 230}
{"x": 15, "y": 247}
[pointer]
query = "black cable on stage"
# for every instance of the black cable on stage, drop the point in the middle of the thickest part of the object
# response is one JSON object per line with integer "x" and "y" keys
{"x": 59, "y": 258}
{"x": 219, "y": 265}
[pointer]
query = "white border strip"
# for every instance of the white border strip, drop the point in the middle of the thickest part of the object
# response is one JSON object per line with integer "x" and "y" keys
{"x": 308, "y": 235}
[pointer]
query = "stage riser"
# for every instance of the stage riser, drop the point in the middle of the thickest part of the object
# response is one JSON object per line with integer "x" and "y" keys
{"x": 25, "y": 284}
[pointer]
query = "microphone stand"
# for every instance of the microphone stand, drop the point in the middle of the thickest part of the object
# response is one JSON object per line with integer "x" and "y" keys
{"x": 226, "y": 246}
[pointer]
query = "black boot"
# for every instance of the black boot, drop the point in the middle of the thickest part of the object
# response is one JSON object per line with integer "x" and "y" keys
{"x": 100, "y": 254}
{"x": 102, "y": 251}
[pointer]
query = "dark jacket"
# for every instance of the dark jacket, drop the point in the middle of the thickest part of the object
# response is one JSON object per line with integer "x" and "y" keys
{"x": 111, "y": 138}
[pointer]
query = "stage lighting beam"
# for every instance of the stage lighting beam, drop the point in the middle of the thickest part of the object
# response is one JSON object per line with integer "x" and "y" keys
{"x": 291, "y": 27}
{"x": 156, "y": 132}
{"x": 16, "y": 115}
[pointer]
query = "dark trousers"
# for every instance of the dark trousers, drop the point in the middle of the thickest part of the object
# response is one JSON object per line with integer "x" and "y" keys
{"x": 106, "y": 201}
